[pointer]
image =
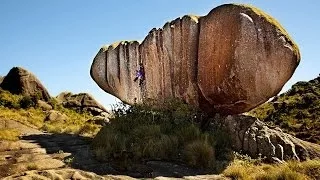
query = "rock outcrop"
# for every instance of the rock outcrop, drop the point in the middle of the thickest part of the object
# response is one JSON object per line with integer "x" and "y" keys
{"x": 296, "y": 111}
{"x": 21, "y": 81}
{"x": 253, "y": 137}
{"x": 81, "y": 102}
{"x": 44, "y": 105}
{"x": 54, "y": 115}
{"x": 228, "y": 61}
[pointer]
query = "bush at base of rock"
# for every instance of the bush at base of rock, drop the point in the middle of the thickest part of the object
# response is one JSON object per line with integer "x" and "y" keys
{"x": 139, "y": 133}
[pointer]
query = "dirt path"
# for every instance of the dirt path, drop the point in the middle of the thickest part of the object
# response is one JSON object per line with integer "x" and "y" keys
{"x": 39, "y": 155}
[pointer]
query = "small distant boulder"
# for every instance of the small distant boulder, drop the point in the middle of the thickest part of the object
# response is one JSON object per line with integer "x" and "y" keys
{"x": 80, "y": 102}
{"x": 99, "y": 120}
{"x": 21, "y": 81}
{"x": 53, "y": 115}
{"x": 44, "y": 106}
{"x": 63, "y": 97}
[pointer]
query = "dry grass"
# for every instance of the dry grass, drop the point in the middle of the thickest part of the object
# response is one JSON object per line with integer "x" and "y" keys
{"x": 10, "y": 108}
{"x": 292, "y": 170}
{"x": 199, "y": 153}
{"x": 32, "y": 166}
{"x": 9, "y": 134}
{"x": 30, "y": 117}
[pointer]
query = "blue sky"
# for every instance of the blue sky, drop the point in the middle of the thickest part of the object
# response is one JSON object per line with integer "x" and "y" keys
{"x": 58, "y": 39}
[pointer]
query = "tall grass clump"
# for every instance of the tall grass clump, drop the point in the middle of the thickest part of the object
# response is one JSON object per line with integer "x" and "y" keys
{"x": 154, "y": 131}
{"x": 248, "y": 169}
{"x": 9, "y": 134}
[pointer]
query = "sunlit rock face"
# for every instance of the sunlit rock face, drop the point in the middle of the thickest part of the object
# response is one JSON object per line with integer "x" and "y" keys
{"x": 229, "y": 61}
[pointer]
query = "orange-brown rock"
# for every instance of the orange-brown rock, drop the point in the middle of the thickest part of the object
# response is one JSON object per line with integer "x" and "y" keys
{"x": 228, "y": 61}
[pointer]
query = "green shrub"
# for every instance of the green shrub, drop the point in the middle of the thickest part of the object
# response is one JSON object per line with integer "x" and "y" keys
{"x": 199, "y": 153}
{"x": 89, "y": 129}
{"x": 27, "y": 102}
{"x": 155, "y": 132}
{"x": 9, "y": 100}
{"x": 32, "y": 166}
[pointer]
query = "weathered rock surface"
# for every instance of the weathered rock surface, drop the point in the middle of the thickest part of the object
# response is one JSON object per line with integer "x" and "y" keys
{"x": 99, "y": 120}
{"x": 229, "y": 61}
{"x": 21, "y": 81}
{"x": 253, "y": 137}
{"x": 44, "y": 106}
{"x": 54, "y": 115}
{"x": 81, "y": 101}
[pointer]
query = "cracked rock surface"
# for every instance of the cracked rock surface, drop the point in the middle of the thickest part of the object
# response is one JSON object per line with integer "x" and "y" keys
{"x": 228, "y": 61}
{"x": 253, "y": 137}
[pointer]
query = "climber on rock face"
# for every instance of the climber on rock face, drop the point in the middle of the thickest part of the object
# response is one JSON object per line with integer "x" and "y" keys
{"x": 140, "y": 75}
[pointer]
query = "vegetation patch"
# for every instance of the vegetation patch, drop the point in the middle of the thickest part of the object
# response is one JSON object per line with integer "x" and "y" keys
{"x": 140, "y": 132}
{"x": 32, "y": 166}
{"x": 248, "y": 169}
{"x": 25, "y": 110}
{"x": 9, "y": 134}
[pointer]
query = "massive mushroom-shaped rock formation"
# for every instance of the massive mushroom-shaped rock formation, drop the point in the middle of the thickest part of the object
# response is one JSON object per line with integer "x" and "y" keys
{"x": 229, "y": 61}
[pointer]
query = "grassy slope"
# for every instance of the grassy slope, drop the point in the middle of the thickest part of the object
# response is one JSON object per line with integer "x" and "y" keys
{"x": 297, "y": 111}
{"x": 35, "y": 117}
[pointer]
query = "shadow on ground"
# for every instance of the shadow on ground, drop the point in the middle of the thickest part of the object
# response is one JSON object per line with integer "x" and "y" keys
{"x": 77, "y": 154}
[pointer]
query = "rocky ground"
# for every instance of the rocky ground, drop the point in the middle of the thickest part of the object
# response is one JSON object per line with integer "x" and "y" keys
{"x": 39, "y": 155}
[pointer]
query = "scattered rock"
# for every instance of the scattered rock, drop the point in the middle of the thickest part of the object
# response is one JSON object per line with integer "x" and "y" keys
{"x": 62, "y": 97}
{"x": 253, "y": 137}
{"x": 81, "y": 102}
{"x": 21, "y": 81}
{"x": 99, "y": 120}
{"x": 226, "y": 61}
{"x": 53, "y": 115}
{"x": 44, "y": 106}
{"x": 94, "y": 111}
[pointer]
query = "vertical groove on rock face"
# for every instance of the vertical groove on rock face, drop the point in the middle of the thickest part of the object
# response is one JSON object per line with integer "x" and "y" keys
{"x": 172, "y": 59}
{"x": 104, "y": 65}
{"x": 159, "y": 60}
{"x": 118, "y": 61}
{"x": 181, "y": 85}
